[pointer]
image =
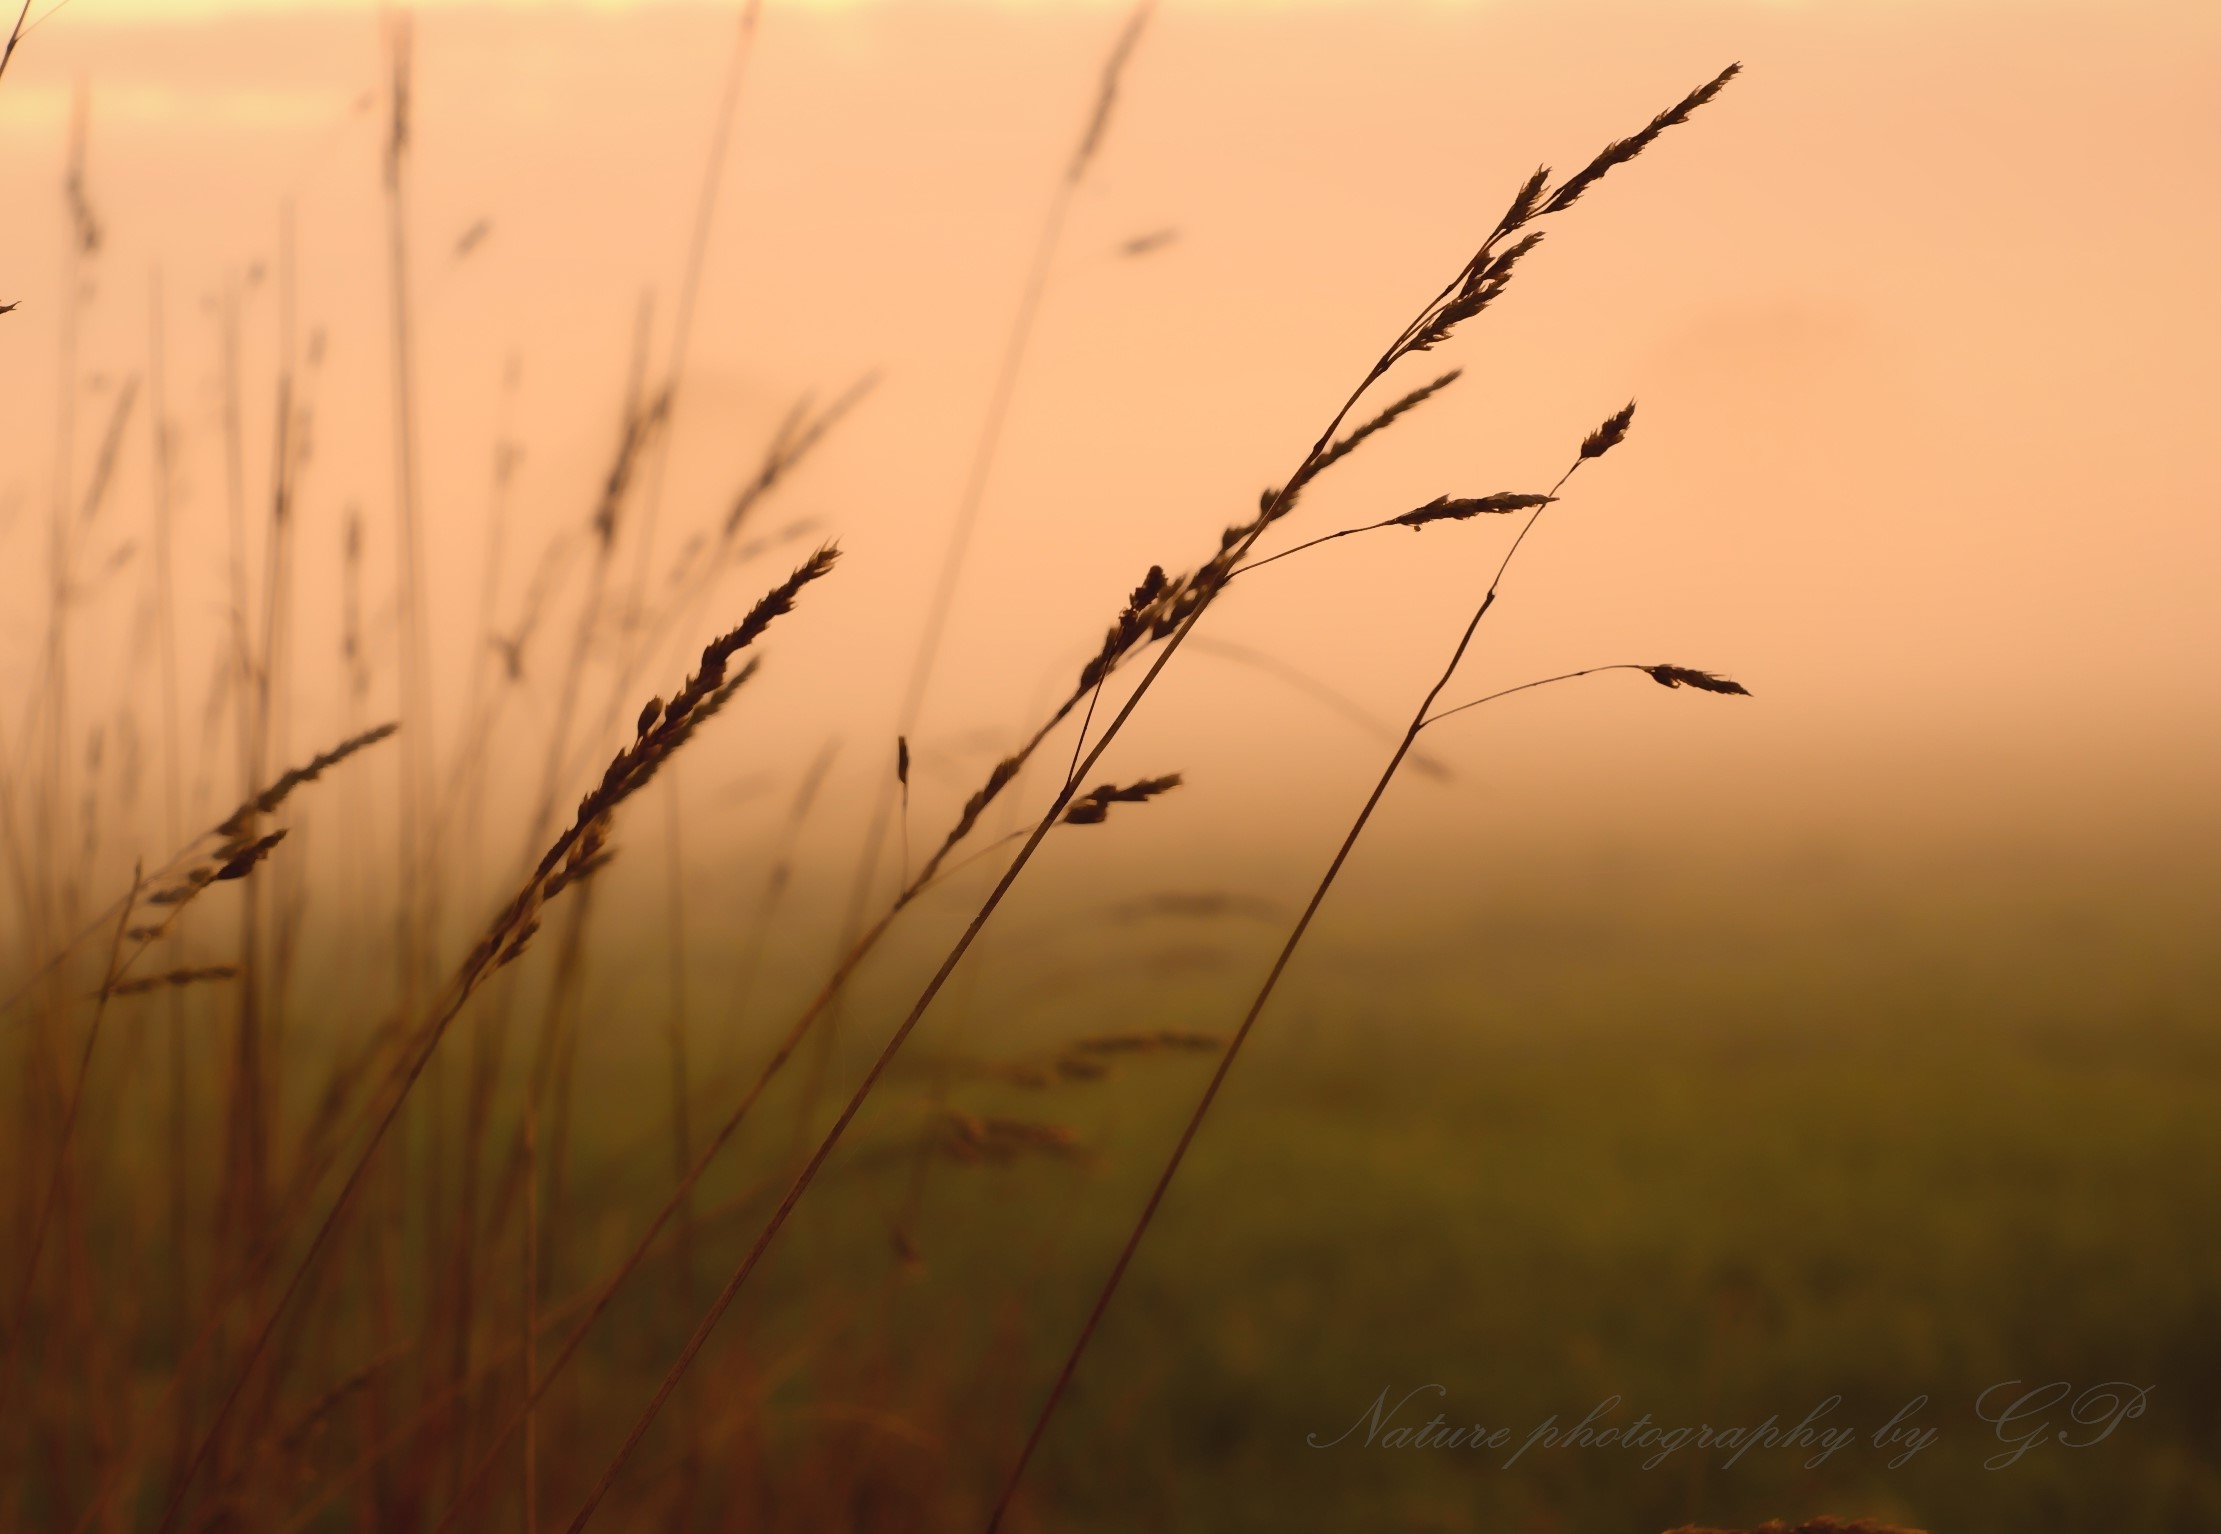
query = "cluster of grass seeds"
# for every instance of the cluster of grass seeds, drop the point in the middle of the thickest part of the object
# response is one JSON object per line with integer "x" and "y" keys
{"x": 245, "y": 1314}
{"x": 977, "y": 1140}
{"x": 574, "y": 855}
{"x": 1483, "y": 279}
{"x": 1597, "y": 443}
{"x": 355, "y": 1332}
{"x": 1093, "y": 807}
{"x": 1094, "y": 1057}
{"x": 1166, "y": 609}
{"x": 235, "y": 849}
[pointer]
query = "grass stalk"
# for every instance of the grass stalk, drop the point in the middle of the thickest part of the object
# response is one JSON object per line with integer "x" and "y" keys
{"x": 1240, "y": 1035}
{"x": 20, "y": 1312}
{"x": 177, "y": 1291}
{"x": 15, "y": 36}
{"x": 682, "y": 1139}
{"x": 1477, "y": 285}
{"x": 573, "y": 856}
{"x": 979, "y": 469}
{"x": 531, "y": 1466}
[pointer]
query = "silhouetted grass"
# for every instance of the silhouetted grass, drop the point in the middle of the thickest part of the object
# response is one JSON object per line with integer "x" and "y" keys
{"x": 266, "y": 1269}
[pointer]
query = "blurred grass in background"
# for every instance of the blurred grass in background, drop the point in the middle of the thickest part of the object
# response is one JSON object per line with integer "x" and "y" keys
{"x": 1723, "y": 1145}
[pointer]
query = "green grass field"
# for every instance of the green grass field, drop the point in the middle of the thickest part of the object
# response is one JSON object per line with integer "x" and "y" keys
{"x": 1858, "y": 1143}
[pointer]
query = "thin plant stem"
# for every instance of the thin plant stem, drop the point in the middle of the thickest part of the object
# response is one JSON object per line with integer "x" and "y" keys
{"x": 690, "y": 284}
{"x": 832, "y": 1136}
{"x": 606, "y": 1295}
{"x": 986, "y": 447}
{"x": 19, "y": 1318}
{"x": 15, "y": 35}
{"x": 1466, "y": 295}
{"x": 777, "y": 881}
{"x": 1563, "y": 676}
{"x": 178, "y": 1287}
{"x": 571, "y": 857}
{"x": 652, "y": 502}
{"x": 531, "y": 1468}
{"x": 417, "y": 899}
{"x": 1249, "y": 1021}
{"x": 682, "y": 1136}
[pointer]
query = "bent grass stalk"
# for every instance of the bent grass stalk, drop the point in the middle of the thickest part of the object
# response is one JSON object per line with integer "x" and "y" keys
{"x": 1326, "y": 697}
{"x": 1133, "y": 628}
{"x": 1669, "y": 676}
{"x": 15, "y": 36}
{"x": 777, "y": 881}
{"x": 20, "y": 1314}
{"x": 427, "y": 1412}
{"x": 796, "y": 438}
{"x": 690, "y": 284}
{"x": 1466, "y": 295}
{"x": 574, "y": 855}
{"x": 985, "y": 450}
{"x": 229, "y": 851}
{"x": 935, "y": 869}
{"x": 682, "y": 334}
{"x": 796, "y": 1033}
{"x": 1178, "y": 616}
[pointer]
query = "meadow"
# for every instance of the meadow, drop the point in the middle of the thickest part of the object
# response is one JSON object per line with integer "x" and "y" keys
{"x": 1715, "y": 1163}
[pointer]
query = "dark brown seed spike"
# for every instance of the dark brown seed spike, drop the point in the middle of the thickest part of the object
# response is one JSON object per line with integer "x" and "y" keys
{"x": 1702, "y": 681}
{"x": 1610, "y": 435}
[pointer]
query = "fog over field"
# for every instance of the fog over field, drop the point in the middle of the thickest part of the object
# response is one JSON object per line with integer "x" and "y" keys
{"x": 1804, "y": 995}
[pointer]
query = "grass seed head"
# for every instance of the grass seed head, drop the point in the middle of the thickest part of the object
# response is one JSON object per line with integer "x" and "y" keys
{"x": 1610, "y": 435}
{"x": 1702, "y": 681}
{"x": 1444, "y": 509}
{"x": 1148, "y": 1041}
{"x": 175, "y": 977}
{"x": 1093, "y": 807}
{"x": 1620, "y": 151}
{"x": 973, "y": 1140}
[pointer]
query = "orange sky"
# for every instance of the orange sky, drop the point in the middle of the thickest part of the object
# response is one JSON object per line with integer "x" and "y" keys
{"x": 1920, "y": 316}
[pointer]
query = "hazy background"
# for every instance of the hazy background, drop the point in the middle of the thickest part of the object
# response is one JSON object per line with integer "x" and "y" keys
{"x": 1724, "y": 1052}
{"x": 1919, "y": 320}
